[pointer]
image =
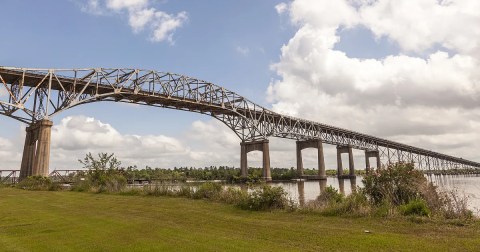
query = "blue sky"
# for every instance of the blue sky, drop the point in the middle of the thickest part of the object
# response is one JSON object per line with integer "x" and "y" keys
{"x": 404, "y": 71}
{"x": 57, "y": 34}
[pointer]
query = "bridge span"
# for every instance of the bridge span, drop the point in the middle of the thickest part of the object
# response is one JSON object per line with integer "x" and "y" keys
{"x": 33, "y": 96}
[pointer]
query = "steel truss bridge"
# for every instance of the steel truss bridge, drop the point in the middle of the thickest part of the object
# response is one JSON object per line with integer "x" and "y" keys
{"x": 33, "y": 96}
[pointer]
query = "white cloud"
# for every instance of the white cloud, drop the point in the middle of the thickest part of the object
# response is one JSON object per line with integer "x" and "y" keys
{"x": 421, "y": 24}
{"x": 77, "y": 135}
{"x": 406, "y": 98}
{"x": 141, "y": 16}
{"x": 119, "y": 5}
{"x": 281, "y": 8}
{"x": 10, "y": 154}
{"x": 242, "y": 50}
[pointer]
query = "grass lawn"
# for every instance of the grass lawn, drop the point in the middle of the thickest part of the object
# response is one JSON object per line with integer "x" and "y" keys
{"x": 70, "y": 221}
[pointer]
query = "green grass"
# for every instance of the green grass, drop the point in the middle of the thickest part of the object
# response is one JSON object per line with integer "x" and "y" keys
{"x": 71, "y": 221}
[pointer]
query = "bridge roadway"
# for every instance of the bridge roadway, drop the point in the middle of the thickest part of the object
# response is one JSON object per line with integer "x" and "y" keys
{"x": 35, "y": 95}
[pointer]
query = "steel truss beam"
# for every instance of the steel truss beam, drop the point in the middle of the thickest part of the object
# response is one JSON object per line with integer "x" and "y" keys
{"x": 29, "y": 95}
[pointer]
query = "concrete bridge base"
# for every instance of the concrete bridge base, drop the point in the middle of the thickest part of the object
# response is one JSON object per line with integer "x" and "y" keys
{"x": 351, "y": 166}
{"x": 368, "y": 155}
{"x": 247, "y": 147}
{"x": 315, "y": 143}
{"x": 36, "y": 152}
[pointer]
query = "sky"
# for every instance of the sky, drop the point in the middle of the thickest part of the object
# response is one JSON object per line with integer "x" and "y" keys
{"x": 402, "y": 70}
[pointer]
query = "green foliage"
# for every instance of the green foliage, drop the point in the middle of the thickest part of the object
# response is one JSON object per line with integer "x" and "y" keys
{"x": 265, "y": 198}
{"x": 208, "y": 190}
{"x": 332, "y": 203}
{"x": 330, "y": 195}
{"x": 104, "y": 174}
{"x": 105, "y": 161}
{"x": 415, "y": 207}
{"x": 38, "y": 183}
{"x": 398, "y": 183}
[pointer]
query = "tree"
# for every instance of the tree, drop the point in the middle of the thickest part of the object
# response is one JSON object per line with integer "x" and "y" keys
{"x": 105, "y": 161}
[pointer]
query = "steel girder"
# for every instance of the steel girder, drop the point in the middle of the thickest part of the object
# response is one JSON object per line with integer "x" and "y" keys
{"x": 29, "y": 95}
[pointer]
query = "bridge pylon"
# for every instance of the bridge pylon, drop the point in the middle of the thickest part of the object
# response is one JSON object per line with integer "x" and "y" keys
{"x": 261, "y": 145}
{"x": 345, "y": 149}
{"x": 314, "y": 143}
{"x": 36, "y": 151}
{"x": 369, "y": 154}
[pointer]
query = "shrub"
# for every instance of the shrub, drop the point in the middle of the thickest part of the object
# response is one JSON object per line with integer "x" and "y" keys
{"x": 38, "y": 183}
{"x": 208, "y": 190}
{"x": 265, "y": 198}
{"x": 415, "y": 207}
{"x": 398, "y": 183}
{"x": 185, "y": 191}
{"x": 330, "y": 194}
{"x": 456, "y": 206}
{"x": 233, "y": 196}
{"x": 332, "y": 203}
{"x": 158, "y": 190}
{"x": 81, "y": 184}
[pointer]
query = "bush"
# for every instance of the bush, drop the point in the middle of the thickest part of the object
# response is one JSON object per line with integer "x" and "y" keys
{"x": 38, "y": 183}
{"x": 208, "y": 190}
{"x": 265, "y": 198}
{"x": 185, "y": 191}
{"x": 233, "y": 196}
{"x": 333, "y": 203}
{"x": 330, "y": 195}
{"x": 398, "y": 184}
{"x": 81, "y": 184}
{"x": 415, "y": 207}
{"x": 158, "y": 190}
{"x": 456, "y": 206}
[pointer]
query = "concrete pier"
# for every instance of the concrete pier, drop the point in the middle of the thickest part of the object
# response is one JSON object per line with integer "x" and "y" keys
{"x": 36, "y": 151}
{"x": 369, "y": 154}
{"x": 246, "y": 147}
{"x": 314, "y": 143}
{"x": 345, "y": 149}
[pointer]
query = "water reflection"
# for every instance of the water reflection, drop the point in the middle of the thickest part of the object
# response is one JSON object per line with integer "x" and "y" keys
{"x": 301, "y": 193}
{"x": 341, "y": 186}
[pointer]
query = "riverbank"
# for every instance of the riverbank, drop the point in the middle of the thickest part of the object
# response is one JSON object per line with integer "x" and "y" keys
{"x": 71, "y": 221}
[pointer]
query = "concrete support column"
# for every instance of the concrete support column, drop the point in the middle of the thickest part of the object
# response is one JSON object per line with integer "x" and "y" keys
{"x": 42, "y": 156}
{"x": 351, "y": 166}
{"x": 262, "y": 146}
{"x": 339, "y": 162}
{"x": 36, "y": 151}
{"x": 315, "y": 143}
{"x": 243, "y": 160}
{"x": 299, "y": 160}
{"x": 368, "y": 155}
{"x": 321, "y": 161}
{"x": 266, "y": 161}
{"x": 28, "y": 153}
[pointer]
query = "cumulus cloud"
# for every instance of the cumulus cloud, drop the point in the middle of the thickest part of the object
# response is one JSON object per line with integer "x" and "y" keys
{"x": 10, "y": 154}
{"x": 76, "y": 135}
{"x": 431, "y": 100}
{"x": 141, "y": 16}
